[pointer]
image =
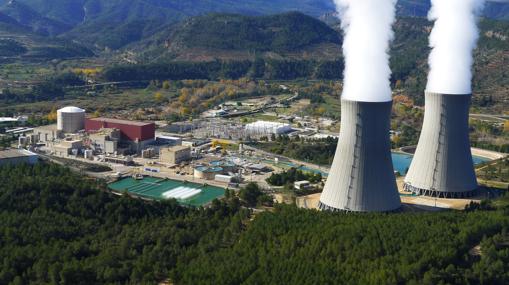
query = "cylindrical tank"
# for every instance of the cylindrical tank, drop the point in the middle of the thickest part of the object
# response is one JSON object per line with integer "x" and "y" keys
{"x": 442, "y": 165}
{"x": 207, "y": 173}
{"x": 362, "y": 175}
{"x": 70, "y": 119}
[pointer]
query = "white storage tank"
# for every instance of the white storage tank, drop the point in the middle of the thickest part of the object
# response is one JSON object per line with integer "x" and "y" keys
{"x": 70, "y": 119}
{"x": 224, "y": 178}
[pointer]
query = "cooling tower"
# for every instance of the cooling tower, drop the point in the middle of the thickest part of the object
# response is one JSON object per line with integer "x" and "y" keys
{"x": 362, "y": 175}
{"x": 442, "y": 165}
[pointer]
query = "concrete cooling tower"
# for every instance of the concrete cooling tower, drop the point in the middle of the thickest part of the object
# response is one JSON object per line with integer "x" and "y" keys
{"x": 362, "y": 176}
{"x": 442, "y": 165}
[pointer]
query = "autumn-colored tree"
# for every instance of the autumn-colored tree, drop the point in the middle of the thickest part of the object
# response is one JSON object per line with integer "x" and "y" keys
{"x": 166, "y": 84}
{"x": 52, "y": 116}
{"x": 320, "y": 111}
{"x": 184, "y": 111}
{"x": 506, "y": 127}
{"x": 403, "y": 99}
{"x": 158, "y": 97}
{"x": 184, "y": 95}
{"x": 396, "y": 139}
{"x": 398, "y": 84}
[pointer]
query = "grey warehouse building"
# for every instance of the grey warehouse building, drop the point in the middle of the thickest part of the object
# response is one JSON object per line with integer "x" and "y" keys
{"x": 17, "y": 156}
{"x": 442, "y": 165}
{"x": 362, "y": 176}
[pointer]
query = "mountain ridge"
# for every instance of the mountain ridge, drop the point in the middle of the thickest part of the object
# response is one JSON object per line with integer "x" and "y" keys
{"x": 240, "y": 36}
{"x": 113, "y": 24}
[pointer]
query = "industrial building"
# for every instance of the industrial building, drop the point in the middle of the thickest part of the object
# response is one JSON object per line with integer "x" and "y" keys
{"x": 17, "y": 156}
{"x": 27, "y": 141}
{"x": 48, "y": 133}
{"x": 442, "y": 165}
{"x": 105, "y": 141}
{"x": 362, "y": 177}
{"x": 268, "y": 128}
{"x": 224, "y": 178}
{"x": 168, "y": 140}
{"x": 136, "y": 134}
{"x": 195, "y": 143}
{"x": 175, "y": 155}
{"x": 179, "y": 127}
{"x": 302, "y": 185}
{"x": 66, "y": 148}
{"x": 70, "y": 120}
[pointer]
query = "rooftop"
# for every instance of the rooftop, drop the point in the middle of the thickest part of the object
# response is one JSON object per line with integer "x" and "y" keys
{"x": 71, "y": 109}
{"x": 15, "y": 153}
{"x": 208, "y": 169}
{"x": 103, "y": 131}
{"x": 267, "y": 124}
{"x": 48, "y": 127}
{"x": 179, "y": 148}
{"x": 119, "y": 121}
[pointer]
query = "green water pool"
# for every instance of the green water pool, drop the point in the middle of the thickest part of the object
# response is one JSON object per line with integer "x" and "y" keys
{"x": 155, "y": 188}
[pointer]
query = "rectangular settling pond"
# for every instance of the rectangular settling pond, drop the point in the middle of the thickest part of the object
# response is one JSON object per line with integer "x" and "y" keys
{"x": 401, "y": 163}
{"x": 186, "y": 193}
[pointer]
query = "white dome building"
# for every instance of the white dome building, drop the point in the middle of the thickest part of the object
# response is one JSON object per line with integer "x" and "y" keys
{"x": 70, "y": 119}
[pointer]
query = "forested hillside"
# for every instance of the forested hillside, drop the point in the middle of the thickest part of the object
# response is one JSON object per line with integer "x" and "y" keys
{"x": 242, "y": 37}
{"x": 300, "y": 54}
{"x": 292, "y": 246}
{"x": 115, "y": 23}
{"x": 16, "y": 43}
{"x": 59, "y": 227}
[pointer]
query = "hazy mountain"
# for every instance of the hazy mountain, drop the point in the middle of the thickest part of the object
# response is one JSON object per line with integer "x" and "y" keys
{"x": 19, "y": 41}
{"x": 75, "y": 12}
{"x": 420, "y": 8}
{"x": 116, "y": 23}
{"x": 24, "y": 15}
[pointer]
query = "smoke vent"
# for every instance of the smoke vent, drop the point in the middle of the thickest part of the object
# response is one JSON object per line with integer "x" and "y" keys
{"x": 362, "y": 176}
{"x": 443, "y": 165}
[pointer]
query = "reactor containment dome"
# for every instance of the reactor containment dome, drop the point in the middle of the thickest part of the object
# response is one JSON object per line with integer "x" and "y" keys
{"x": 362, "y": 175}
{"x": 70, "y": 119}
{"x": 442, "y": 165}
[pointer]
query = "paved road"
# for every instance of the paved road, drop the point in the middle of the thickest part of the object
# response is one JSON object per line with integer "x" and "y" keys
{"x": 497, "y": 118}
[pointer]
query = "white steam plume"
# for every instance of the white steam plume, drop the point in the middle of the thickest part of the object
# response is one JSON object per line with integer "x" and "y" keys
{"x": 367, "y": 25}
{"x": 453, "y": 39}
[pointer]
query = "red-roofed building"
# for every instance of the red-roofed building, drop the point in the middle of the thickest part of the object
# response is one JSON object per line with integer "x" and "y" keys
{"x": 140, "y": 133}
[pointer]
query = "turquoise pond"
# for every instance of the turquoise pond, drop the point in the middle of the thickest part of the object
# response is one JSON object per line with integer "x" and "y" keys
{"x": 401, "y": 163}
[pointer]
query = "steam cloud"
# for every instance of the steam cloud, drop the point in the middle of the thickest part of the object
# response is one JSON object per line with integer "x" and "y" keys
{"x": 367, "y": 25}
{"x": 453, "y": 39}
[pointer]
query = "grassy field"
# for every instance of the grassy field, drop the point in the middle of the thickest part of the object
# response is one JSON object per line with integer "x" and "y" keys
{"x": 502, "y": 202}
{"x": 495, "y": 174}
{"x": 24, "y": 72}
{"x": 104, "y": 102}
